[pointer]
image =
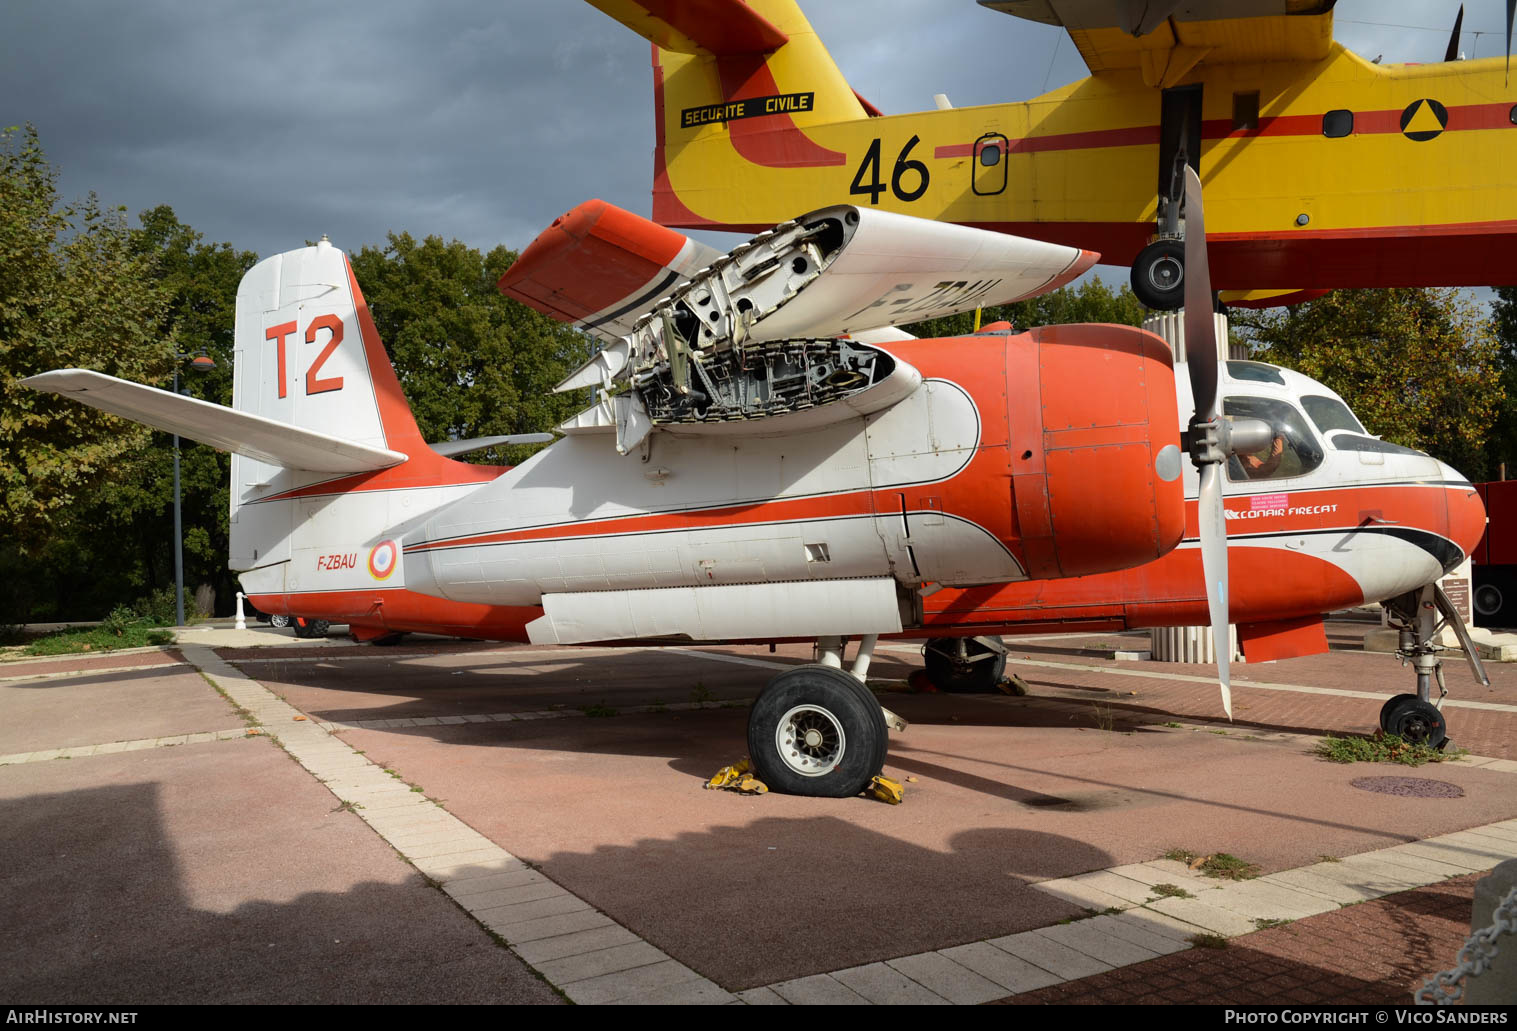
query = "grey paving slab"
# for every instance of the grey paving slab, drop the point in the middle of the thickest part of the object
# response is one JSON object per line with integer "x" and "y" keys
{"x": 446, "y": 847}
{"x": 520, "y": 912}
{"x": 575, "y": 944}
{"x": 696, "y": 992}
{"x": 625, "y": 983}
{"x": 1051, "y": 956}
{"x": 943, "y": 976}
{"x": 1010, "y": 972}
{"x": 1126, "y": 889}
{"x": 1080, "y": 936}
{"x": 761, "y": 997}
{"x": 515, "y": 875}
{"x": 502, "y": 897}
{"x": 1131, "y": 926}
{"x": 1474, "y": 858}
{"x": 553, "y": 926}
{"x": 818, "y": 990}
{"x": 1335, "y": 889}
{"x": 1419, "y": 864}
{"x": 882, "y": 985}
{"x": 1086, "y": 896}
{"x": 585, "y": 965}
{"x": 1270, "y": 901}
{"x": 1213, "y": 918}
{"x": 1375, "y": 874}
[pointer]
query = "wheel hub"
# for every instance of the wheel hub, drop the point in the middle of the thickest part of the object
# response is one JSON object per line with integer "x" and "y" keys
{"x": 810, "y": 740}
{"x": 1165, "y": 274}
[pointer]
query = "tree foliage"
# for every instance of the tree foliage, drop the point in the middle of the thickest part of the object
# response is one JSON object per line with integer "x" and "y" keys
{"x": 1091, "y": 301}
{"x": 1502, "y": 450}
{"x": 1419, "y": 367}
{"x": 74, "y": 293}
{"x": 473, "y": 362}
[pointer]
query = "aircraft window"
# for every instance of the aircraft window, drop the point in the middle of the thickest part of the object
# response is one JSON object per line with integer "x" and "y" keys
{"x": 1351, "y": 442}
{"x": 1337, "y": 123}
{"x": 1246, "y": 110}
{"x": 1512, "y": 115}
{"x": 1293, "y": 451}
{"x": 990, "y": 156}
{"x": 1329, "y": 414}
{"x": 1254, "y": 372}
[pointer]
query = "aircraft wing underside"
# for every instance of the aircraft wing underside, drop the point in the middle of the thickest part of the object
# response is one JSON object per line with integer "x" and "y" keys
{"x": 1165, "y": 38}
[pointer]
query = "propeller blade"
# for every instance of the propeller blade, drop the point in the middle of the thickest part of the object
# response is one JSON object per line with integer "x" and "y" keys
{"x": 1208, "y": 447}
{"x": 1214, "y": 566}
{"x": 1200, "y": 327}
{"x": 1452, "y": 54}
{"x": 1511, "y": 6}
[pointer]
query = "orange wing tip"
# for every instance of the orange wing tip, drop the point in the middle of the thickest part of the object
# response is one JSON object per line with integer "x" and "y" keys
{"x": 1077, "y": 268}
{"x": 589, "y": 258}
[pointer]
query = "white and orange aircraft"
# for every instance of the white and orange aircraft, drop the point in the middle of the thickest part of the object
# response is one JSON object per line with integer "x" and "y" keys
{"x": 768, "y": 458}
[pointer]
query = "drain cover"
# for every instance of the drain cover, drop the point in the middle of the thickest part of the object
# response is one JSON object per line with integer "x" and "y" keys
{"x": 1409, "y": 787}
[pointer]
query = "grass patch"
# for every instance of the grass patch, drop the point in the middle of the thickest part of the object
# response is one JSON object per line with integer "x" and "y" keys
{"x": 102, "y": 638}
{"x": 700, "y": 693}
{"x": 600, "y": 711}
{"x": 1220, "y": 865}
{"x": 1325, "y": 858}
{"x": 1208, "y": 941}
{"x": 1381, "y": 748}
{"x": 1171, "y": 891}
{"x": 1104, "y": 719}
{"x": 1265, "y": 923}
{"x": 1173, "y": 725}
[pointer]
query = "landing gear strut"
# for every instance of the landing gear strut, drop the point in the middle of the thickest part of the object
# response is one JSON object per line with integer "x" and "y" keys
{"x": 965, "y": 665}
{"x": 817, "y": 730}
{"x": 1421, "y": 616}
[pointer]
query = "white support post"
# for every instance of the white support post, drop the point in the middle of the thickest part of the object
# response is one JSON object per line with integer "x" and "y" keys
{"x": 242, "y": 623}
{"x": 829, "y": 651}
{"x": 862, "y": 657}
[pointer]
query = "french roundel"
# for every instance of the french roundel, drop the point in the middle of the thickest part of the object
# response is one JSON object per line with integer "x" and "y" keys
{"x": 382, "y": 559}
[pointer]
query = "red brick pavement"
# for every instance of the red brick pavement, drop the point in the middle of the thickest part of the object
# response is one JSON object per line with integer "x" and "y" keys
{"x": 1372, "y": 953}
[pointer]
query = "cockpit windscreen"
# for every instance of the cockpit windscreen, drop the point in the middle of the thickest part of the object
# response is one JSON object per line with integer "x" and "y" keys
{"x": 1292, "y": 450}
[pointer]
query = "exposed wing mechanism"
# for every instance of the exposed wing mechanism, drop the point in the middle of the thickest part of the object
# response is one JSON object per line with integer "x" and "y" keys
{"x": 226, "y": 429}
{"x": 754, "y": 336}
{"x": 1165, "y": 39}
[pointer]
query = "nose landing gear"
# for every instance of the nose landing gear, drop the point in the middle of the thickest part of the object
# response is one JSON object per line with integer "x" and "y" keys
{"x": 1421, "y": 616}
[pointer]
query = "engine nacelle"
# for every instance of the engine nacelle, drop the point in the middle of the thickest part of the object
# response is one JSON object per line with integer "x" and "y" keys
{"x": 1094, "y": 449}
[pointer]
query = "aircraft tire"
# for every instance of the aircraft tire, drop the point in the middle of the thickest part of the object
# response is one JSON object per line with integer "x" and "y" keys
{"x": 1418, "y": 722}
{"x": 279, "y": 621}
{"x": 1158, "y": 276}
{"x": 1391, "y": 703}
{"x": 955, "y": 677}
{"x": 816, "y": 731}
{"x": 309, "y": 628}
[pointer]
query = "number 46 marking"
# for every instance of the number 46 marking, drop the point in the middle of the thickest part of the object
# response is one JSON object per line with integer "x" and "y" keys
{"x": 903, "y": 166}
{"x": 314, "y": 385}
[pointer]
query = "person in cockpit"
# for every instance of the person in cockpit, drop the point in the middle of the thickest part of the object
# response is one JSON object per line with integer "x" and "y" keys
{"x": 1261, "y": 464}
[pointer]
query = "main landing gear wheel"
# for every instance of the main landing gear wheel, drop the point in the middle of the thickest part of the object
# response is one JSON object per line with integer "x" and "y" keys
{"x": 279, "y": 621}
{"x": 816, "y": 731}
{"x": 1418, "y": 722}
{"x": 311, "y": 627}
{"x": 1158, "y": 276}
{"x": 963, "y": 665}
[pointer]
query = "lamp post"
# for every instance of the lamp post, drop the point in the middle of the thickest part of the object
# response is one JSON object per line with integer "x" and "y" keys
{"x": 201, "y": 362}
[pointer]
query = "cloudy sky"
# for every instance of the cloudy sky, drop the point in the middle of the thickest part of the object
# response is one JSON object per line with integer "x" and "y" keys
{"x": 267, "y": 124}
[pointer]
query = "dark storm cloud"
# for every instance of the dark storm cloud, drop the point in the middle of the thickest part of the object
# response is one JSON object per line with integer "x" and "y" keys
{"x": 268, "y": 124}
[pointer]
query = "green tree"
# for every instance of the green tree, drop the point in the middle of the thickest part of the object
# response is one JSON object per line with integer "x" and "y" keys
{"x": 74, "y": 292}
{"x": 1091, "y": 301}
{"x": 1418, "y": 366}
{"x": 473, "y": 363}
{"x": 1502, "y": 450}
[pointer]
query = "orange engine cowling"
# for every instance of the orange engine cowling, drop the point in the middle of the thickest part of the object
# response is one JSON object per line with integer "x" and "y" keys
{"x": 1097, "y": 470}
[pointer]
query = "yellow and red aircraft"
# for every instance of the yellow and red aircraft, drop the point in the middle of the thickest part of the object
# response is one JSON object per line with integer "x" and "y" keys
{"x": 1321, "y": 168}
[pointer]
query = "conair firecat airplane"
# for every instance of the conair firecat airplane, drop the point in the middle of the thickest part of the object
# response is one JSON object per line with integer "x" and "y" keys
{"x": 767, "y": 458}
{"x": 1322, "y": 170}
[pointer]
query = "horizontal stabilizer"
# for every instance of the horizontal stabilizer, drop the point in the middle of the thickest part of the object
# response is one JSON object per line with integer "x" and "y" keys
{"x": 718, "y": 27}
{"x": 454, "y": 448}
{"x": 223, "y": 428}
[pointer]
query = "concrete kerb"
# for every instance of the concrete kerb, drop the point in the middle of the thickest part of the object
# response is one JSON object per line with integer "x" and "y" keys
{"x": 575, "y": 947}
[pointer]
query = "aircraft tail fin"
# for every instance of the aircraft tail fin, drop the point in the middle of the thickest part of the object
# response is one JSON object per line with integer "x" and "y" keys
{"x": 735, "y": 83}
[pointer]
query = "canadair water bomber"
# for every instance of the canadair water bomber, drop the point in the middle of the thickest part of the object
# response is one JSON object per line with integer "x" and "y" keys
{"x": 766, "y": 457}
{"x": 1322, "y": 169}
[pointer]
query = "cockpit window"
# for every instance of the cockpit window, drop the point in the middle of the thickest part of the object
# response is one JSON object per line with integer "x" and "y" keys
{"x": 1351, "y": 442}
{"x": 1292, "y": 450}
{"x": 1254, "y": 372}
{"x": 1329, "y": 414}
